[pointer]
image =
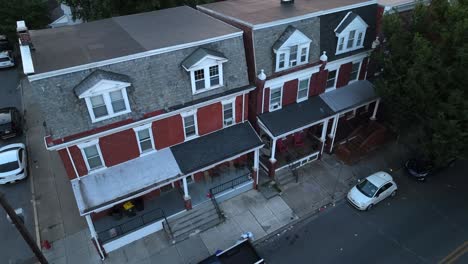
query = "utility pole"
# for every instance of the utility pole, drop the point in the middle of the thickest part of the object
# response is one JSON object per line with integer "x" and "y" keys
{"x": 22, "y": 229}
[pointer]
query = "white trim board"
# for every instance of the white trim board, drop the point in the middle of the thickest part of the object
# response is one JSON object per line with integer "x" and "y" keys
{"x": 140, "y": 55}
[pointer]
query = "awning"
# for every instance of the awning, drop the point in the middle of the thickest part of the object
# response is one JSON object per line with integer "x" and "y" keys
{"x": 210, "y": 149}
{"x": 125, "y": 180}
{"x": 295, "y": 116}
{"x": 350, "y": 96}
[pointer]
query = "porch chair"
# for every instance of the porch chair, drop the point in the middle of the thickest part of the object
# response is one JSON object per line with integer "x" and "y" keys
{"x": 298, "y": 139}
{"x": 281, "y": 146}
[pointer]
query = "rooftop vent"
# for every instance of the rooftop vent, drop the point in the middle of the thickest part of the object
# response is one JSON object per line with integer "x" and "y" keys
{"x": 285, "y": 2}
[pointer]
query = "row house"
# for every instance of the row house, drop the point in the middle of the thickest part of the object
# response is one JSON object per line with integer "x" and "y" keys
{"x": 308, "y": 60}
{"x": 148, "y": 112}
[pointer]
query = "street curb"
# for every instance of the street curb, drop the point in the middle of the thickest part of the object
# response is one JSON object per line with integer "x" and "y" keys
{"x": 300, "y": 220}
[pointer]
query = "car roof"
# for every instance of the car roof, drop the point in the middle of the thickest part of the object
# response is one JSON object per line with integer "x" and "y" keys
{"x": 9, "y": 155}
{"x": 379, "y": 178}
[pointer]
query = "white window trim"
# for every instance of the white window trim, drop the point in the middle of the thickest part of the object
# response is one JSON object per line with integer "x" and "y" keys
{"x": 108, "y": 103}
{"x": 280, "y": 101}
{"x": 84, "y": 145}
{"x": 232, "y": 102}
{"x": 206, "y": 73}
{"x": 345, "y": 34}
{"x": 358, "y": 72}
{"x": 307, "y": 89}
{"x": 287, "y": 59}
{"x": 186, "y": 114}
{"x": 140, "y": 128}
{"x": 336, "y": 79}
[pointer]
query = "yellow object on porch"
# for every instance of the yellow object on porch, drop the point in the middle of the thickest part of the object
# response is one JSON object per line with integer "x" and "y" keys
{"x": 128, "y": 205}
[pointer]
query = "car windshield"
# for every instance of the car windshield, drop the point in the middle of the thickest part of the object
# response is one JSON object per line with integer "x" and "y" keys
{"x": 367, "y": 188}
{"x": 3, "y": 59}
{"x": 9, "y": 166}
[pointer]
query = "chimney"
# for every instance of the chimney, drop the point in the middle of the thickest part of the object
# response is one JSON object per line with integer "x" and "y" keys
{"x": 287, "y": 2}
{"x": 23, "y": 34}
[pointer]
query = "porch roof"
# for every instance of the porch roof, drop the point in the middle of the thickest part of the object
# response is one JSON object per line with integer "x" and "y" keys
{"x": 350, "y": 96}
{"x": 295, "y": 116}
{"x": 125, "y": 180}
{"x": 210, "y": 149}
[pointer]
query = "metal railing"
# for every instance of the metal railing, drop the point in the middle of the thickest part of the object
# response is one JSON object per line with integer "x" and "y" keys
{"x": 134, "y": 223}
{"x": 216, "y": 206}
{"x": 230, "y": 184}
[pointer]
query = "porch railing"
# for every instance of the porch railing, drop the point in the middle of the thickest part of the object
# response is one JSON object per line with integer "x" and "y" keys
{"x": 230, "y": 184}
{"x": 136, "y": 222}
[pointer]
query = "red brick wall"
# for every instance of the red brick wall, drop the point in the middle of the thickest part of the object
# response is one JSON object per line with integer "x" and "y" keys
{"x": 343, "y": 75}
{"x": 266, "y": 99}
{"x": 67, "y": 164}
{"x": 238, "y": 105}
{"x": 290, "y": 92}
{"x": 362, "y": 73}
{"x": 119, "y": 147}
{"x": 168, "y": 132}
{"x": 210, "y": 118}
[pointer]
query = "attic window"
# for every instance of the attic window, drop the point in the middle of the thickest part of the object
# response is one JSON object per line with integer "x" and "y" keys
{"x": 350, "y": 33}
{"x": 292, "y": 49}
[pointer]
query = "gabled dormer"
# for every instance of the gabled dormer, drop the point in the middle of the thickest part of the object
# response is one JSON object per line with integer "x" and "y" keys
{"x": 350, "y": 32}
{"x": 206, "y": 69}
{"x": 105, "y": 94}
{"x": 291, "y": 49}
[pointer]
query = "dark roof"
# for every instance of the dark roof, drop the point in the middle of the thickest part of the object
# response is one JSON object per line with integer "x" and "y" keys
{"x": 350, "y": 96}
{"x": 97, "y": 76}
{"x": 285, "y": 36}
{"x": 346, "y": 22}
{"x": 63, "y": 47}
{"x": 265, "y": 11}
{"x": 215, "y": 147}
{"x": 295, "y": 116}
{"x": 199, "y": 54}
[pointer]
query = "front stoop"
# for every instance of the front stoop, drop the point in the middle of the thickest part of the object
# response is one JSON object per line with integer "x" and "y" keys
{"x": 192, "y": 222}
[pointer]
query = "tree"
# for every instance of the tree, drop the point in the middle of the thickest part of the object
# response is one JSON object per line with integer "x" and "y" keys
{"x": 424, "y": 77}
{"x": 89, "y": 10}
{"x": 34, "y": 12}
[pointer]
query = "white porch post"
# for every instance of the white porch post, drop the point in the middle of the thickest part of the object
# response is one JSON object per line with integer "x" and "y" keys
{"x": 376, "y": 107}
{"x": 187, "y": 198}
{"x": 334, "y": 128}
{"x": 273, "y": 150}
{"x": 94, "y": 235}
{"x": 255, "y": 168}
{"x": 324, "y": 135}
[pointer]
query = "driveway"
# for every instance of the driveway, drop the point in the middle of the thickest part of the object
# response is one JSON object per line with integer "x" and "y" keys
{"x": 425, "y": 223}
{"x": 18, "y": 194}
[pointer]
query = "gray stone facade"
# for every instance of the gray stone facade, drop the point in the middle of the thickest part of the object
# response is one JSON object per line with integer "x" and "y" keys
{"x": 265, "y": 38}
{"x": 158, "y": 82}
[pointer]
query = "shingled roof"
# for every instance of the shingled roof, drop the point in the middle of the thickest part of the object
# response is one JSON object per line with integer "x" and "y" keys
{"x": 95, "y": 77}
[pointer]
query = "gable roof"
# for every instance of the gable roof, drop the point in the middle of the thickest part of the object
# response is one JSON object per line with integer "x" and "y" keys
{"x": 287, "y": 34}
{"x": 198, "y": 55}
{"x": 97, "y": 76}
{"x": 348, "y": 19}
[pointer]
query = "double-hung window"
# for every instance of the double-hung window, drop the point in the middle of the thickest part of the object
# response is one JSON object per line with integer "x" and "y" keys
{"x": 275, "y": 98}
{"x": 214, "y": 75}
{"x": 228, "y": 113}
{"x": 108, "y": 104}
{"x": 353, "y": 76}
{"x": 303, "y": 90}
{"x": 281, "y": 60}
{"x": 145, "y": 139}
{"x": 293, "y": 56}
{"x": 99, "y": 106}
{"x": 92, "y": 155}
{"x": 351, "y": 36}
{"x": 199, "y": 79}
{"x": 331, "y": 79}
{"x": 190, "y": 124}
{"x": 350, "y": 33}
{"x": 292, "y": 49}
{"x": 304, "y": 51}
{"x": 205, "y": 67}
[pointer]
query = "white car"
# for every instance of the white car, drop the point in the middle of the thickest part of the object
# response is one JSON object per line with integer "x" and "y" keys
{"x": 13, "y": 163}
{"x": 6, "y": 60}
{"x": 372, "y": 190}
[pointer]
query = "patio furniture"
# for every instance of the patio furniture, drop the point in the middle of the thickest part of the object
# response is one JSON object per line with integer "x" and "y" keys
{"x": 281, "y": 146}
{"x": 298, "y": 139}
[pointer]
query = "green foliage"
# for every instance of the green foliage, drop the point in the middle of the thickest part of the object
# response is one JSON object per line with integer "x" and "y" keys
{"x": 34, "y": 12}
{"x": 89, "y": 10}
{"x": 424, "y": 78}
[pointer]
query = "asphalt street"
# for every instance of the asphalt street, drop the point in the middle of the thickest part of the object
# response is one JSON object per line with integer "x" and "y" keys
{"x": 424, "y": 223}
{"x": 14, "y": 249}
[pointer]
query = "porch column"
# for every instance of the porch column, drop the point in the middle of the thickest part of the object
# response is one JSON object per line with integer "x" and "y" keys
{"x": 187, "y": 199}
{"x": 333, "y": 132}
{"x": 272, "y": 167}
{"x": 376, "y": 107}
{"x": 255, "y": 169}
{"x": 94, "y": 236}
{"x": 323, "y": 137}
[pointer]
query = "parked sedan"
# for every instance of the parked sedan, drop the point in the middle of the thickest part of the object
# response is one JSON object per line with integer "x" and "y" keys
{"x": 372, "y": 190}
{"x": 420, "y": 169}
{"x": 10, "y": 123}
{"x": 13, "y": 163}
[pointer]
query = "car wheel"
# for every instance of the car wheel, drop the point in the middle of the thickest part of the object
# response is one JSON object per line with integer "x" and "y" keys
{"x": 369, "y": 207}
{"x": 393, "y": 194}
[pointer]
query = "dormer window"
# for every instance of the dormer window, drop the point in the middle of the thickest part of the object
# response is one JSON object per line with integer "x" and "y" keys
{"x": 350, "y": 33}
{"x": 292, "y": 49}
{"x": 206, "y": 69}
{"x": 105, "y": 94}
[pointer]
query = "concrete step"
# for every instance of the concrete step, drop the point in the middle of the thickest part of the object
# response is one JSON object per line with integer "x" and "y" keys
{"x": 195, "y": 211}
{"x": 284, "y": 177}
{"x": 183, "y": 222}
{"x": 197, "y": 227}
